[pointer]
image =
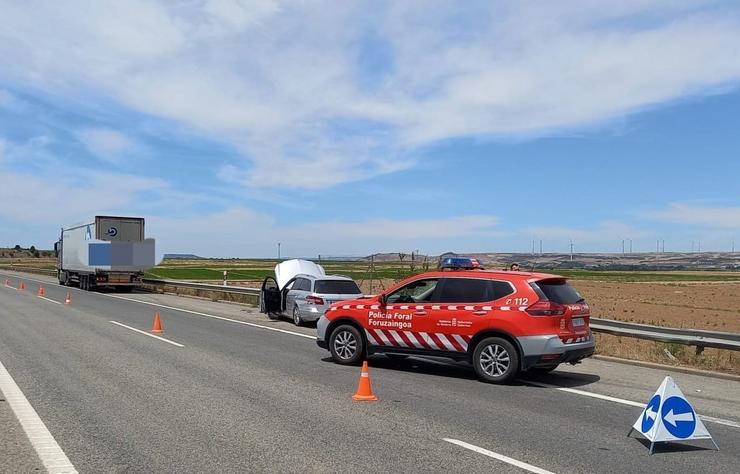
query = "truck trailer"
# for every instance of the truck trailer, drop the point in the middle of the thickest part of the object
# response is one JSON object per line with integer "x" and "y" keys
{"x": 109, "y": 251}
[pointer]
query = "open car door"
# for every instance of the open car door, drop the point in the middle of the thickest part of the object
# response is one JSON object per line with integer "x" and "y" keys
{"x": 270, "y": 297}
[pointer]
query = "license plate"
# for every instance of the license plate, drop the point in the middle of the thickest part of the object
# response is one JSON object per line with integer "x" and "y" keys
{"x": 578, "y": 322}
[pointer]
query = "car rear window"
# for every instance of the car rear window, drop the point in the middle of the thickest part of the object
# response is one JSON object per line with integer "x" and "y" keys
{"x": 557, "y": 291}
{"x": 336, "y": 287}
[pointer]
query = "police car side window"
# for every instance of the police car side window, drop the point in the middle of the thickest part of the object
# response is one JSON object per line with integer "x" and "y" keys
{"x": 419, "y": 291}
{"x": 501, "y": 289}
{"x": 465, "y": 290}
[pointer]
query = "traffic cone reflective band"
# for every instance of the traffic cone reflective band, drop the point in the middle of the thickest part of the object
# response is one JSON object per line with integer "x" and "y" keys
{"x": 22, "y": 286}
{"x": 68, "y": 298}
{"x": 157, "y": 326}
{"x": 41, "y": 291}
{"x": 364, "y": 388}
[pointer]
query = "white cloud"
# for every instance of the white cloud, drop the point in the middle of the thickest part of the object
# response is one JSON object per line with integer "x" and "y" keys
{"x": 694, "y": 215}
{"x": 245, "y": 232}
{"x": 284, "y": 82}
{"x": 105, "y": 143}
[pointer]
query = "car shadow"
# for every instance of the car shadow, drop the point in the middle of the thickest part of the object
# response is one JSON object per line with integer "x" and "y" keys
{"x": 561, "y": 379}
{"x": 442, "y": 367}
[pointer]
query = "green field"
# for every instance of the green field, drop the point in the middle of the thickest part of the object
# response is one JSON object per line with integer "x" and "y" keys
{"x": 396, "y": 270}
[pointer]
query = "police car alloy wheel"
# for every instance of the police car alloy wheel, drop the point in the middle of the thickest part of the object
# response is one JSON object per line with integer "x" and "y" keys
{"x": 346, "y": 345}
{"x": 495, "y": 360}
{"x": 297, "y": 316}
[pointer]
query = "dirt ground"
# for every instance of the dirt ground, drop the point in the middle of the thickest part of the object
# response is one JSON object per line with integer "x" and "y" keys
{"x": 702, "y": 305}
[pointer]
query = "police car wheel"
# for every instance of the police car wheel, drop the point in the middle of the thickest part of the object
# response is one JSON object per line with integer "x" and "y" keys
{"x": 346, "y": 345}
{"x": 297, "y": 316}
{"x": 495, "y": 360}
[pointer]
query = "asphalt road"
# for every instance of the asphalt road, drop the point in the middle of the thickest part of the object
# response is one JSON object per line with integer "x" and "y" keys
{"x": 241, "y": 398}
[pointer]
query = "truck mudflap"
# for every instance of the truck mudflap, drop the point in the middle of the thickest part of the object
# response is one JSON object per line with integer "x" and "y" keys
{"x": 548, "y": 350}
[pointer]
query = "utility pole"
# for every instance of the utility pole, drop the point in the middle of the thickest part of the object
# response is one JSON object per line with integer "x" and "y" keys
{"x": 630, "y": 245}
{"x": 657, "y": 246}
{"x": 699, "y": 246}
{"x": 540, "y": 246}
{"x": 533, "y": 244}
{"x": 733, "y": 245}
{"x": 278, "y": 250}
{"x": 662, "y": 245}
{"x": 622, "y": 246}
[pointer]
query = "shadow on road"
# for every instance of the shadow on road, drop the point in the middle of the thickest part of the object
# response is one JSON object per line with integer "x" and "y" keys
{"x": 442, "y": 367}
{"x": 667, "y": 447}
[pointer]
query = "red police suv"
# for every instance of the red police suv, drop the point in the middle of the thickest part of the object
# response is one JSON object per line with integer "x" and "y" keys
{"x": 501, "y": 322}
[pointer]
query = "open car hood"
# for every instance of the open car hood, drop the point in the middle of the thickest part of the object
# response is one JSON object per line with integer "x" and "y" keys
{"x": 288, "y": 269}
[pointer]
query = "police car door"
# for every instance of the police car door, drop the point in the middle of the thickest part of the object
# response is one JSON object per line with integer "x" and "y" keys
{"x": 464, "y": 306}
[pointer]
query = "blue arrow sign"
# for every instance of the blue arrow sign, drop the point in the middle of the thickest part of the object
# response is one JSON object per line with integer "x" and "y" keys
{"x": 650, "y": 414}
{"x": 678, "y": 417}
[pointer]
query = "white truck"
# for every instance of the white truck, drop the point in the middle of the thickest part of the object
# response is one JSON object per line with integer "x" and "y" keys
{"x": 107, "y": 251}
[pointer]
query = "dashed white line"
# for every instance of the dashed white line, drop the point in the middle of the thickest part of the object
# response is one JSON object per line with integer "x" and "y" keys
{"x": 148, "y": 334}
{"x": 308, "y": 336}
{"x": 49, "y": 300}
{"x": 500, "y": 457}
{"x": 711, "y": 419}
{"x": 46, "y": 447}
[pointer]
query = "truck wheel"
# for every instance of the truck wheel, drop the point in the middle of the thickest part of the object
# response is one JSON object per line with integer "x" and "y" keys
{"x": 346, "y": 345}
{"x": 495, "y": 360}
{"x": 60, "y": 277}
{"x": 84, "y": 285}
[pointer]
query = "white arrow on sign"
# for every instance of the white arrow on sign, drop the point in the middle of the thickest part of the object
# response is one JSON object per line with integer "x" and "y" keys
{"x": 650, "y": 413}
{"x": 672, "y": 418}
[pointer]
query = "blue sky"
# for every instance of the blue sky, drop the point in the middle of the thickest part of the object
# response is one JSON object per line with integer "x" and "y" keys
{"x": 352, "y": 128}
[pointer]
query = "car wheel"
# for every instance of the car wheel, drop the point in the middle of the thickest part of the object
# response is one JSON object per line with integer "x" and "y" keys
{"x": 297, "y": 316}
{"x": 346, "y": 345}
{"x": 495, "y": 360}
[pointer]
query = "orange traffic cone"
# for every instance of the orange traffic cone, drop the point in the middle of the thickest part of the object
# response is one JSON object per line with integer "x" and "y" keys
{"x": 157, "y": 326}
{"x": 41, "y": 291}
{"x": 22, "y": 286}
{"x": 68, "y": 298}
{"x": 364, "y": 388}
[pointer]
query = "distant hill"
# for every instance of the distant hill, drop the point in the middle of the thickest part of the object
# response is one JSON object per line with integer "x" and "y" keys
{"x": 25, "y": 253}
{"x": 182, "y": 256}
{"x": 597, "y": 261}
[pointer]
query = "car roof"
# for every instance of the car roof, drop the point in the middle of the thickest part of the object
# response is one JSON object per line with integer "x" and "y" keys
{"x": 324, "y": 277}
{"x": 492, "y": 274}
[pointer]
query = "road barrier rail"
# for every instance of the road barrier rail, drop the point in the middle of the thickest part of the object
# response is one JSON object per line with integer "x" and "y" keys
{"x": 690, "y": 337}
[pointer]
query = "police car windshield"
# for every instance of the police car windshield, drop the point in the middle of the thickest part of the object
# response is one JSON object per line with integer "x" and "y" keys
{"x": 337, "y": 287}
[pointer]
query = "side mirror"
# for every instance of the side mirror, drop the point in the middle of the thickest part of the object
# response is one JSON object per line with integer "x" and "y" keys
{"x": 383, "y": 298}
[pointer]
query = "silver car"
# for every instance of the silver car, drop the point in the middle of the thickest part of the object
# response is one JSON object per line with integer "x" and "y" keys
{"x": 304, "y": 297}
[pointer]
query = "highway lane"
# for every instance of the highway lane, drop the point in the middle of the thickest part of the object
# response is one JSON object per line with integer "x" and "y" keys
{"x": 238, "y": 398}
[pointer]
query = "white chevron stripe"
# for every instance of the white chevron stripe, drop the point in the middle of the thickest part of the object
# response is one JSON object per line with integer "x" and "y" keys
{"x": 398, "y": 338}
{"x": 429, "y": 341}
{"x": 444, "y": 340}
{"x": 460, "y": 340}
{"x": 383, "y": 337}
{"x": 371, "y": 339}
{"x": 413, "y": 340}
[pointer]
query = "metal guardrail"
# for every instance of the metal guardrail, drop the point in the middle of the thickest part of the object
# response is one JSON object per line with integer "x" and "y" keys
{"x": 239, "y": 290}
{"x": 689, "y": 337}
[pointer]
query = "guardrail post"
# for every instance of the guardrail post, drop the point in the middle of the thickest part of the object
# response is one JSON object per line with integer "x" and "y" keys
{"x": 225, "y": 278}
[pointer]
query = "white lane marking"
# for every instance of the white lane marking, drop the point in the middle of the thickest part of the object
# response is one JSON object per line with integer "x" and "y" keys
{"x": 47, "y": 449}
{"x": 47, "y": 299}
{"x": 211, "y": 316}
{"x": 148, "y": 334}
{"x": 712, "y": 419}
{"x": 500, "y": 457}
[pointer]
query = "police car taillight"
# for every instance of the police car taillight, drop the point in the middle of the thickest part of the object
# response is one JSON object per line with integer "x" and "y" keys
{"x": 310, "y": 299}
{"x": 546, "y": 308}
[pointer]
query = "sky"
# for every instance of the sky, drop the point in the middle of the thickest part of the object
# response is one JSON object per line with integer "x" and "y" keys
{"x": 348, "y": 128}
